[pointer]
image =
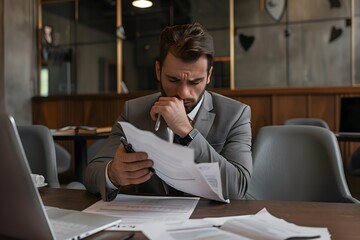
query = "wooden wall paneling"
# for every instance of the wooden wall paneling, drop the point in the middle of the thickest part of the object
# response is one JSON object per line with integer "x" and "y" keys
{"x": 71, "y": 112}
{"x": 96, "y": 112}
{"x": 322, "y": 106}
{"x": 102, "y": 112}
{"x": 45, "y": 113}
{"x": 261, "y": 111}
{"x": 118, "y": 108}
{"x": 289, "y": 106}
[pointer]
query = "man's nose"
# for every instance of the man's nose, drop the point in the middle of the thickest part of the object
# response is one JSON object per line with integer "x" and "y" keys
{"x": 183, "y": 90}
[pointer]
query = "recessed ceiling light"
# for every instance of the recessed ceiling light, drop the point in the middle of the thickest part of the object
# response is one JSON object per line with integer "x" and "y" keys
{"x": 142, "y": 3}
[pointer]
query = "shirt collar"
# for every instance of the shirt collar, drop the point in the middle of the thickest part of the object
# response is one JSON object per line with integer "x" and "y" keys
{"x": 192, "y": 114}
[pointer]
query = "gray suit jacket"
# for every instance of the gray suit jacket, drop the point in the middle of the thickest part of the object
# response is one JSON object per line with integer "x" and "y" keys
{"x": 225, "y": 137}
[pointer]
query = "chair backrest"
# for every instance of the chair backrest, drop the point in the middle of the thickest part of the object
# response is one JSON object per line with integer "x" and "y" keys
{"x": 39, "y": 148}
{"x": 307, "y": 121}
{"x": 63, "y": 159}
{"x": 297, "y": 163}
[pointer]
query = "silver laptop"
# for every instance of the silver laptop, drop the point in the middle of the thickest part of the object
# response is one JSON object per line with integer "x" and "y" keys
{"x": 22, "y": 213}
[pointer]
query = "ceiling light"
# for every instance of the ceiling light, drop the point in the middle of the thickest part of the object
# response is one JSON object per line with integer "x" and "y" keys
{"x": 142, "y": 3}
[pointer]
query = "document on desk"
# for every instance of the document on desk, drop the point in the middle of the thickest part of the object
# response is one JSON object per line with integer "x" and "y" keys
{"x": 136, "y": 210}
{"x": 175, "y": 164}
{"x": 262, "y": 225}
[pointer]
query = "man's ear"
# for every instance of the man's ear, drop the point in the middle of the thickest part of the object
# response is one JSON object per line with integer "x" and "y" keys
{"x": 157, "y": 70}
{"x": 209, "y": 75}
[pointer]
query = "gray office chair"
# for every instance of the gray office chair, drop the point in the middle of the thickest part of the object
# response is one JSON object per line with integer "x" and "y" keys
{"x": 307, "y": 121}
{"x": 40, "y": 151}
{"x": 39, "y": 148}
{"x": 63, "y": 159}
{"x": 298, "y": 163}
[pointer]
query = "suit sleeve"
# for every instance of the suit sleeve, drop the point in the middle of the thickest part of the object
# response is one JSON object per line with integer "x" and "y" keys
{"x": 233, "y": 153}
{"x": 95, "y": 178}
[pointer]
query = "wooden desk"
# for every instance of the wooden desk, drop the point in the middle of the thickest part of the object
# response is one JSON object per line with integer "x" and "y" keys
{"x": 342, "y": 219}
{"x": 80, "y": 149}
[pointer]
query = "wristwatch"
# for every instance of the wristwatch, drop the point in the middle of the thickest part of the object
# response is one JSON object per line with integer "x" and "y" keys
{"x": 189, "y": 137}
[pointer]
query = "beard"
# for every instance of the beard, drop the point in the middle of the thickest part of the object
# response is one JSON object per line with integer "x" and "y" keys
{"x": 187, "y": 109}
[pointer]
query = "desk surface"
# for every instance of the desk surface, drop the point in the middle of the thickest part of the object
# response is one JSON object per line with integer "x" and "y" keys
{"x": 342, "y": 219}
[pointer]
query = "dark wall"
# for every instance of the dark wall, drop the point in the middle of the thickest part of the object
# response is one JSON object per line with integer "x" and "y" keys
{"x": 17, "y": 58}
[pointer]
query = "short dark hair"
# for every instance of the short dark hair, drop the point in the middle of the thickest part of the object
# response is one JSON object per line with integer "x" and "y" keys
{"x": 188, "y": 42}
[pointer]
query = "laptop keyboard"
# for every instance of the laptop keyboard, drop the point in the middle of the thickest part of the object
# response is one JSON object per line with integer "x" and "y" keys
{"x": 61, "y": 227}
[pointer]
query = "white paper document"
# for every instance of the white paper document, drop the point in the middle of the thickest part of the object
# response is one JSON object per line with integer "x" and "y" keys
{"x": 262, "y": 226}
{"x": 175, "y": 164}
{"x": 135, "y": 210}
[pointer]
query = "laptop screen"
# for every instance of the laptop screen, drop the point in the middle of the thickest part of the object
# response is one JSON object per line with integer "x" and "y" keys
{"x": 350, "y": 114}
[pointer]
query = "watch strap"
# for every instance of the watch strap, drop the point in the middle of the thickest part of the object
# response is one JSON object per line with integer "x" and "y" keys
{"x": 188, "y": 138}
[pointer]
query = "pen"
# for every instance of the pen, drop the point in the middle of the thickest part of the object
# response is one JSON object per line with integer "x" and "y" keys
{"x": 128, "y": 236}
{"x": 128, "y": 146}
{"x": 157, "y": 124}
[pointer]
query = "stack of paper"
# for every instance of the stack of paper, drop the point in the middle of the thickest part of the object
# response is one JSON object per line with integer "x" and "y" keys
{"x": 262, "y": 226}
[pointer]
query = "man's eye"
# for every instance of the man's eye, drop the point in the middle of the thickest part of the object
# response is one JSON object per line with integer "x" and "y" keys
{"x": 195, "y": 82}
{"x": 173, "y": 80}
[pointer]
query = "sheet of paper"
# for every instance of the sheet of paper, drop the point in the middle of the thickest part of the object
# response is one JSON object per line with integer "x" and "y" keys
{"x": 204, "y": 228}
{"x": 259, "y": 226}
{"x": 211, "y": 172}
{"x": 158, "y": 231}
{"x": 175, "y": 164}
{"x": 135, "y": 210}
{"x": 263, "y": 225}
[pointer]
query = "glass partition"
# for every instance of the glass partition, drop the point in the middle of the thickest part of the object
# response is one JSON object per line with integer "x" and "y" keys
{"x": 82, "y": 56}
{"x": 299, "y": 43}
{"x": 292, "y": 43}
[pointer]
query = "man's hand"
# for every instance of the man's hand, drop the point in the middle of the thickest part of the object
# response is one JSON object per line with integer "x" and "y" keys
{"x": 129, "y": 168}
{"x": 173, "y": 112}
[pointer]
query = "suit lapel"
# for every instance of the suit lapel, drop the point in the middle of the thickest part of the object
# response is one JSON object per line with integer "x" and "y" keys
{"x": 205, "y": 119}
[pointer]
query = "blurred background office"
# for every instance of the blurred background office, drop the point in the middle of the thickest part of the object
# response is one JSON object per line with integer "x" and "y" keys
{"x": 69, "y": 47}
{"x": 75, "y": 62}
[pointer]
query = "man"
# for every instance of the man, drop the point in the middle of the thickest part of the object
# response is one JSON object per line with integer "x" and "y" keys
{"x": 216, "y": 127}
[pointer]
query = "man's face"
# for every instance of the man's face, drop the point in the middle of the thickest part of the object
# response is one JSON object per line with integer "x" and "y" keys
{"x": 183, "y": 80}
